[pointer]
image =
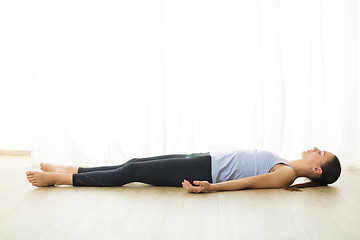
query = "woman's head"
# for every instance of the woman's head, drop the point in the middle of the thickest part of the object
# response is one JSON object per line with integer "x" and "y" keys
{"x": 330, "y": 171}
{"x": 326, "y": 167}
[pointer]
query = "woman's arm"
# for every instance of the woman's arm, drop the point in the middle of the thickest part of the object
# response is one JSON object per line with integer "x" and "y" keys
{"x": 282, "y": 177}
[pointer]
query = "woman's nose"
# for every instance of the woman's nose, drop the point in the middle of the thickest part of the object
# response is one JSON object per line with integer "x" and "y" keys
{"x": 315, "y": 148}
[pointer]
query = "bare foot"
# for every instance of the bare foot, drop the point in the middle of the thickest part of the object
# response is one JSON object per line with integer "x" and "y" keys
{"x": 40, "y": 179}
{"x": 48, "y": 167}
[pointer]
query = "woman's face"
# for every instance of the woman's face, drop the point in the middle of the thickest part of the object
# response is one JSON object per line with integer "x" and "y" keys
{"x": 317, "y": 157}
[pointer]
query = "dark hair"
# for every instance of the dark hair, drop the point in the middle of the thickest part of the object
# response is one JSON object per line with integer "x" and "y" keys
{"x": 330, "y": 172}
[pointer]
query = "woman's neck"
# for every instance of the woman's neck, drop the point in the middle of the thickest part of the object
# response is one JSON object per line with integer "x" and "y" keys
{"x": 301, "y": 168}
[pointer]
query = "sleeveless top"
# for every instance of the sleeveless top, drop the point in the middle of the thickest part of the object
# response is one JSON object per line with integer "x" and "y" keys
{"x": 240, "y": 164}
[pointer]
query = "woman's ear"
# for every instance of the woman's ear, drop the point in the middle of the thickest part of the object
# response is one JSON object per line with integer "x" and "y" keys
{"x": 317, "y": 170}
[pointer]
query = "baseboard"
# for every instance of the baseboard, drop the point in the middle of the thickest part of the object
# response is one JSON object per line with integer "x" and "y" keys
{"x": 15, "y": 152}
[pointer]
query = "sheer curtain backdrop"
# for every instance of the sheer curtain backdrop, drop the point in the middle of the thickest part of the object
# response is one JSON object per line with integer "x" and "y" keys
{"x": 113, "y": 80}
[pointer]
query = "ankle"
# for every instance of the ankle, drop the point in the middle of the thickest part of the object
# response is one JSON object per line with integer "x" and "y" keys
{"x": 72, "y": 169}
{"x": 63, "y": 178}
{"x": 51, "y": 177}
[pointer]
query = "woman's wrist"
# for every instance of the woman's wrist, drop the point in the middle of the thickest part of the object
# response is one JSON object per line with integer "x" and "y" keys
{"x": 214, "y": 186}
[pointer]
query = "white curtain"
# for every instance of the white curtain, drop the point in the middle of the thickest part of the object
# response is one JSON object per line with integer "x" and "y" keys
{"x": 113, "y": 80}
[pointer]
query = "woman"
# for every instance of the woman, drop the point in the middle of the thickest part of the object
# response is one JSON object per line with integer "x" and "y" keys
{"x": 209, "y": 172}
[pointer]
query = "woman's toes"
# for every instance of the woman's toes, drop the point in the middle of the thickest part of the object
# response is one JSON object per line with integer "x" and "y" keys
{"x": 48, "y": 167}
{"x": 44, "y": 167}
{"x": 30, "y": 175}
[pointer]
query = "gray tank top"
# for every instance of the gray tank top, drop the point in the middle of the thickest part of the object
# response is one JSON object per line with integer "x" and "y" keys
{"x": 241, "y": 164}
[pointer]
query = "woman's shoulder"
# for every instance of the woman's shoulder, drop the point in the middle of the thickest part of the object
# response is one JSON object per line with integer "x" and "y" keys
{"x": 284, "y": 170}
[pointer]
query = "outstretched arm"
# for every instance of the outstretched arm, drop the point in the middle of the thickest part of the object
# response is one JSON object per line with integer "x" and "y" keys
{"x": 282, "y": 177}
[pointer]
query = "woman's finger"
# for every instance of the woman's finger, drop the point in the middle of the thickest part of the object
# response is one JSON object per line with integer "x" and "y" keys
{"x": 186, "y": 186}
{"x": 190, "y": 187}
{"x": 195, "y": 189}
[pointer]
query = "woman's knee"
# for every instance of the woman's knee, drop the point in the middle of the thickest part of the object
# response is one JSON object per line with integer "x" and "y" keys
{"x": 122, "y": 175}
{"x": 129, "y": 170}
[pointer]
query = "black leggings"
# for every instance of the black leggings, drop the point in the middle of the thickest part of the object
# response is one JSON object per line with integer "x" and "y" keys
{"x": 165, "y": 170}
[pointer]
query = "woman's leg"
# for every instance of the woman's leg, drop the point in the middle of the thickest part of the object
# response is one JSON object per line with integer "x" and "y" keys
{"x": 48, "y": 167}
{"x": 172, "y": 156}
{"x": 159, "y": 172}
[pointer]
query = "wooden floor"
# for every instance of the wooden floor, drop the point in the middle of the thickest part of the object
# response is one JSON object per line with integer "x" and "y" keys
{"x": 140, "y": 211}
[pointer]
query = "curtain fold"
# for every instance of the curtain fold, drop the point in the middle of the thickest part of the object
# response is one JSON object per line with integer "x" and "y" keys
{"x": 113, "y": 80}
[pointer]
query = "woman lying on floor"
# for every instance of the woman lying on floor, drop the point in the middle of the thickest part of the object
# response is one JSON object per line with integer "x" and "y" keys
{"x": 208, "y": 172}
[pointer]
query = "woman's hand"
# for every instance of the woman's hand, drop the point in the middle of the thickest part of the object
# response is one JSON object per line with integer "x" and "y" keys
{"x": 203, "y": 186}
